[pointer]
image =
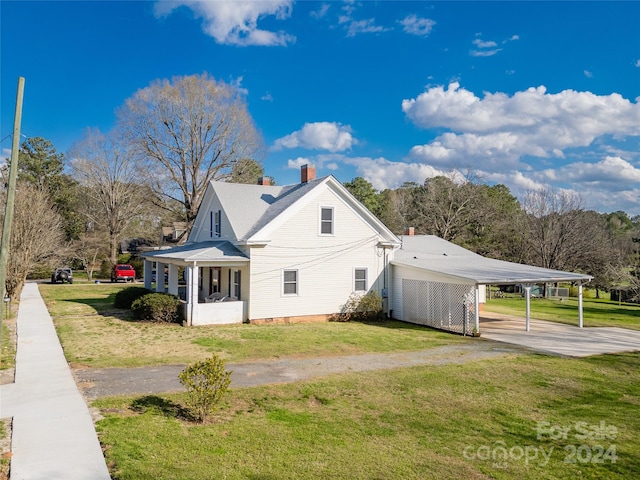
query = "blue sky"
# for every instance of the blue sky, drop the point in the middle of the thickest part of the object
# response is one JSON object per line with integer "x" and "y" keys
{"x": 525, "y": 94}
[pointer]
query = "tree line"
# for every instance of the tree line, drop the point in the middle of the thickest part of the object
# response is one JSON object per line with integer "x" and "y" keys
{"x": 174, "y": 136}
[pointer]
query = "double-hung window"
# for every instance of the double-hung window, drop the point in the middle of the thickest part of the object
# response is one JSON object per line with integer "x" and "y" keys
{"x": 326, "y": 221}
{"x": 290, "y": 282}
{"x": 215, "y": 220}
{"x": 360, "y": 280}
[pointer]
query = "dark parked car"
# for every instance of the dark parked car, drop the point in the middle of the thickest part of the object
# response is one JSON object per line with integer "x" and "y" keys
{"x": 62, "y": 275}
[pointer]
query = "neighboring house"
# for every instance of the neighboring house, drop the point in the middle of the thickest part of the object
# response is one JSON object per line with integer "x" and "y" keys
{"x": 264, "y": 253}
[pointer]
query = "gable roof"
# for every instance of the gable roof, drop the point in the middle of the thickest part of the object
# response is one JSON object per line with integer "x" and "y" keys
{"x": 431, "y": 253}
{"x": 251, "y": 209}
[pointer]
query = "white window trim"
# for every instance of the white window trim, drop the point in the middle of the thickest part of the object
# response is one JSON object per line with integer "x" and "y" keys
{"x": 333, "y": 221}
{"x": 297, "y": 283}
{"x": 366, "y": 279}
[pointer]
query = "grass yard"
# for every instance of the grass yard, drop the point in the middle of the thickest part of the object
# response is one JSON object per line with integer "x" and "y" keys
{"x": 95, "y": 334}
{"x": 474, "y": 421}
{"x": 597, "y": 313}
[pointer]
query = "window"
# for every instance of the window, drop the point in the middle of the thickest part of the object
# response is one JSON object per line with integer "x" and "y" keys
{"x": 218, "y": 223}
{"x": 360, "y": 280}
{"x": 326, "y": 221}
{"x": 236, "y": 284}
{"x": 290, "y": 282}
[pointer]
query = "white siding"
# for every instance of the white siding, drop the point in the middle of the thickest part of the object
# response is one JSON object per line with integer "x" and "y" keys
{"x": 325, "y": 263}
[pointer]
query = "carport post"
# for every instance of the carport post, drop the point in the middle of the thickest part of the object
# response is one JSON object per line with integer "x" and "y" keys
{"x": 527, "y": 289}
{"x": 580, "y": 319}
{"x": 477, "y": 308}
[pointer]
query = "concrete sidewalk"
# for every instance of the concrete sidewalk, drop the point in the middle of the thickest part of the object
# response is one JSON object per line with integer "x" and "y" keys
{"x": 53, "y": 434}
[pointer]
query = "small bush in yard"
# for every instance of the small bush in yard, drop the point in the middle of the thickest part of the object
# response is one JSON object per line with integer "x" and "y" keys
{"x": 158, "y": 307}
{"x": 206, "y": 383}
{"x": 125, "y": 297}
{"x": 361, "y": 308}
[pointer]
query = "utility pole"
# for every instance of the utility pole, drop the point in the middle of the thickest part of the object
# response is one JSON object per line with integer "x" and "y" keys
{"x": 11, "y": 192}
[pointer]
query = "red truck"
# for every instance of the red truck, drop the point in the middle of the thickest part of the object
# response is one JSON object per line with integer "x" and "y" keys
{"x": 123, "y": 272}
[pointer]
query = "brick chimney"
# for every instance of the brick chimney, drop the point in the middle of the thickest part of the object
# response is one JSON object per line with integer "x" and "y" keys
{"x": 266, "y": 181}
{"x": 410, "y": 231}
{"x": 307, "y": 173}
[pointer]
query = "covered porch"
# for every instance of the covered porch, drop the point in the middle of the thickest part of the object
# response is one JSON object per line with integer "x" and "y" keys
{"x": 209, "y": 277}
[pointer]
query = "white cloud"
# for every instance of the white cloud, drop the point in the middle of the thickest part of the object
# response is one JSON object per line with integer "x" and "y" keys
{"x": 330, "y": 136}
{"x": 321, "y": 12}
{"x": 482, "y": 44}
{"x": 499, "y": 127}
{"x": 417, "y": 26}
{"x": 588, "y": 74}
{"x": 298, "y": 162}
{"x": 613, "y": 171}
{"x": 267, "y": 97}
{"x": 235, "y": 23}
{"x": 364, "y": 26}
{"x": 237, "y": 84}
{"x": 638, "y": 63}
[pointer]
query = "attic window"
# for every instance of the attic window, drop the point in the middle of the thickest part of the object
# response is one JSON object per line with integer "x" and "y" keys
{"x": 215, "y": 219}
{"x": 326, "y": 221}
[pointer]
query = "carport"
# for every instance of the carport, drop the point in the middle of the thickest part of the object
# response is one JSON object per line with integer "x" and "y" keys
{"x": 437, "y": 283}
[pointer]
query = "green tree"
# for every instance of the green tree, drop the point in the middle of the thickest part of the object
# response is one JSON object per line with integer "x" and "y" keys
{"x": 247, "y": 171}
{"x": 39, "y": 164}
{"x": 365, "y": 193}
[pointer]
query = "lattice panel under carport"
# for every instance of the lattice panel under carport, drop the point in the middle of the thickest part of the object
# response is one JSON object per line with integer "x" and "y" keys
{"x": 445, "y": 306}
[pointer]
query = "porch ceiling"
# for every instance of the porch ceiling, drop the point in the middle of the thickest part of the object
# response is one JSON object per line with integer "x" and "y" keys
{"x": 214, "y": 252}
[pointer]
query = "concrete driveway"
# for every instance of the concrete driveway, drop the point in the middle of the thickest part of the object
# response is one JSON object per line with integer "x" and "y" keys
{"x": 558, "y": 338}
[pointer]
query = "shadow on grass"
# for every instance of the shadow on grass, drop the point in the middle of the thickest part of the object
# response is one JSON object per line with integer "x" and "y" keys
{"x": 161, "y": 406}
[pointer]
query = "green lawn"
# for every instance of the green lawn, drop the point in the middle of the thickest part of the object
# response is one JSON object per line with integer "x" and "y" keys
{"x": 473, "y": 420}
{"x": 477, "y": 420}
{"x": 597, "y": 313}
{"x": 95, "y": 334}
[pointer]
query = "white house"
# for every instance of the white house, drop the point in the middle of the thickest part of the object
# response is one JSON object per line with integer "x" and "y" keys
{"x": 264, "y": 253}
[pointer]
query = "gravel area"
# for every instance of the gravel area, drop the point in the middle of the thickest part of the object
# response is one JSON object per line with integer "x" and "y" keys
{"x": 104, "y": 382}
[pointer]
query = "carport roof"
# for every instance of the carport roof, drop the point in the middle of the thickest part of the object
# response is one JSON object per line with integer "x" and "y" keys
{"x": 433, "y": 254}
{"x": 216, "y": 251}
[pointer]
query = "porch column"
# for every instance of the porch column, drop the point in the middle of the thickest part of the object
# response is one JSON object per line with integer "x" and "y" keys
{"x": 173, "y": 279}
{"x": 527, "y": 289}
{"x": 477, "y": 307}
{"x": 160, "y": 277}
{"x": 580, "y": 319}
{"x": 192, "y": 292}
{"x": 146, "y": 273}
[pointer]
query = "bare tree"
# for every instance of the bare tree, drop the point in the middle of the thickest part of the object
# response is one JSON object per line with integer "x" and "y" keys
{"x": 36, "y": 235}
{"x": 443, "y": 205}
{"x": 192, "y": 130}
{"x": 110, "y": 178}
{"x": 556, "y": 227}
